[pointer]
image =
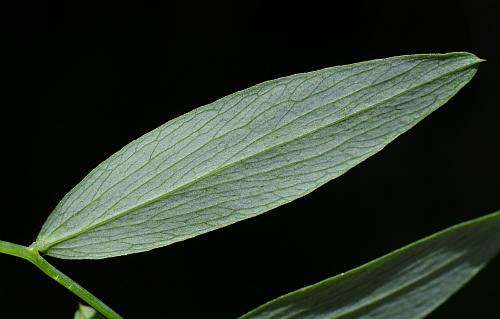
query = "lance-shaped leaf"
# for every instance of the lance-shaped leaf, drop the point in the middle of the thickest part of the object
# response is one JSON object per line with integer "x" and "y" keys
{"x": 406, "y": 284}
{"x": 247, "y": 153}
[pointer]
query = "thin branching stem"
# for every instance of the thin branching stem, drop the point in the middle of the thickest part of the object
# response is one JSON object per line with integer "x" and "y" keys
{"x": 34, "y": 257}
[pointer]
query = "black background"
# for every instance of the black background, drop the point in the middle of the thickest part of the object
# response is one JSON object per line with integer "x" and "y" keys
{"x": 84, "y": 80}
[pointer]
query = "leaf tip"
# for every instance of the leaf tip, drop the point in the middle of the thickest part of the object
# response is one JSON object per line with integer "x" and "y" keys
{"x": 476, "y": 58}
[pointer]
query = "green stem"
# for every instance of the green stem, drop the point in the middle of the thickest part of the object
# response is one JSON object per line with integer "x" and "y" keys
{"x": 32, "y": 256}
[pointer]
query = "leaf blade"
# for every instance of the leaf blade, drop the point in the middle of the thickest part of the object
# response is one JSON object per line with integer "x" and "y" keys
{"x": 406, "y": 284}
{"x": 247, "y": 153}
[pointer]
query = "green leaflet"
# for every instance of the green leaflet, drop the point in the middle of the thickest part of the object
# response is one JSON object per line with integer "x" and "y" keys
{"x": 86, "y": 312}
{"x": 247, "y": 153}
{"x": 406, "y": 284}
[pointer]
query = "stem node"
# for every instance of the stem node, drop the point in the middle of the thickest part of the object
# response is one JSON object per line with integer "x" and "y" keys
{"x": 31, "y": 254}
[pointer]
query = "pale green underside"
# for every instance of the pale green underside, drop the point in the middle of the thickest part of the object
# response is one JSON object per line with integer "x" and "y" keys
{"x": 247, "y": 153}
{"x": 406, "y": 284}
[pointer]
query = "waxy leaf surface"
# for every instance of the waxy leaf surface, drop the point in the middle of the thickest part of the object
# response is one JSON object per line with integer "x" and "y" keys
{"x": 247, "y": 153}
{"x": 406, "y": 284}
